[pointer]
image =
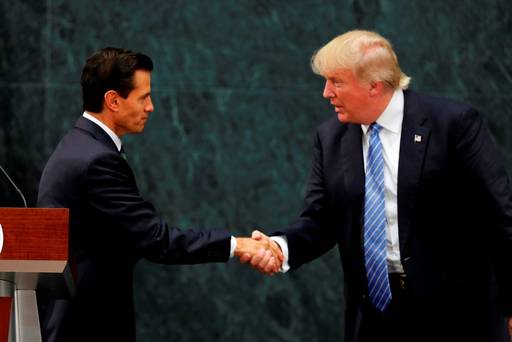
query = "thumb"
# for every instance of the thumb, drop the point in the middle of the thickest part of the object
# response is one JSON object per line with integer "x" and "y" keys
{"x": 257, "y": 235}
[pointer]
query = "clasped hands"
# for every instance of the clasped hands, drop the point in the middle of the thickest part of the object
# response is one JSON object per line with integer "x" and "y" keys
{"x": 260, "y": 252}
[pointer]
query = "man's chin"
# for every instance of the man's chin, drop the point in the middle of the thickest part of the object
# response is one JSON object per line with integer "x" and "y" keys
{"x": 136, "y": 130}
{"x": 342, "y": 117}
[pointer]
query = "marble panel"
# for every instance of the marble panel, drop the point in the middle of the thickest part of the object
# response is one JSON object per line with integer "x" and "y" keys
{"x": 230, "y": 141}
{"x": 23, "y": 28}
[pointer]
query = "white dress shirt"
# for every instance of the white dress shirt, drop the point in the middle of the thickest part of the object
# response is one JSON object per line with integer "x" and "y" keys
{"x": 391, "y": 122}
{"x": 119, "y": 144}
{"x": 107, "y": 130}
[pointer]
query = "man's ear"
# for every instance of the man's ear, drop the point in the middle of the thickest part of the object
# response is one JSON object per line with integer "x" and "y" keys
{"x": 376, "y": 88}
{"x": 111, "y": 99}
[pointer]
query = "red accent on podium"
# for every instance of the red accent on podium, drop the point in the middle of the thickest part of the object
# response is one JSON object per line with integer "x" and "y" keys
{"x": 5, "y": 314}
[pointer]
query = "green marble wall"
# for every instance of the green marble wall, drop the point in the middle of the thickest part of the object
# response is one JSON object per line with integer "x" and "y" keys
{"x": 230, "y": 140}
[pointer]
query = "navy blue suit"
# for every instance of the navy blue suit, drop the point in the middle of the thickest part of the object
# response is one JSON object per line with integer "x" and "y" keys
{"x": 454, "y": 219}
{"x": 111, "y": 228}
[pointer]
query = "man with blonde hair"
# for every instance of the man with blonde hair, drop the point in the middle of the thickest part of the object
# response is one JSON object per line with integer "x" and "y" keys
{"x": 413, "y": 191}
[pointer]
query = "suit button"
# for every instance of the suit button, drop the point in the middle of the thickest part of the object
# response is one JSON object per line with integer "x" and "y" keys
{"x": 363, "y": 296}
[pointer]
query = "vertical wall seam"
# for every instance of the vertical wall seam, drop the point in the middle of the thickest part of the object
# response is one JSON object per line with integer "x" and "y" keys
{"x": 47, "y": 66}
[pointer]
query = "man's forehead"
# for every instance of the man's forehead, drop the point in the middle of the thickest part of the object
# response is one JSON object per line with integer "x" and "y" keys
{"x": 340, "y": 72}
{"x": 141, "y": 77}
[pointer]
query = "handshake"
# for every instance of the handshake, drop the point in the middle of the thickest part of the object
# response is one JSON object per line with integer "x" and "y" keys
{"x": 260, "y": 252}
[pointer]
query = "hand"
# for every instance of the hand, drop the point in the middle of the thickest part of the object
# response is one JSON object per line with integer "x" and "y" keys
{"x": 267, "y": 260}
{"x": 248, "y": 248}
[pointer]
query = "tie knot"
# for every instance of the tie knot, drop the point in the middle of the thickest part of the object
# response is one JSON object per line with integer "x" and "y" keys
{"x": 375, "y": 128}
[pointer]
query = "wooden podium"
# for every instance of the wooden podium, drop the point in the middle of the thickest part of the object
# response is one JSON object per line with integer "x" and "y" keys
{"x": 34, "y": 256}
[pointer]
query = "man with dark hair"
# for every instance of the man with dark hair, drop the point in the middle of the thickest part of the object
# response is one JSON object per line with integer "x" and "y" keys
{"x": 111, "y": 225}
{"x": 110, "y": 68}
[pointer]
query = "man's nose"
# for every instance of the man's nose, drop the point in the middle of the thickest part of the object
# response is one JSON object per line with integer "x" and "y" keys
{"x": 149, "y": 105}
{"x": 328, "y": 93}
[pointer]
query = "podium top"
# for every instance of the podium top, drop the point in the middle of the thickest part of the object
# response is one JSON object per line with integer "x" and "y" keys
{"x": 34, "y": 233}
{"x": 35, "y": 250}
{"x": 34, "y": 239}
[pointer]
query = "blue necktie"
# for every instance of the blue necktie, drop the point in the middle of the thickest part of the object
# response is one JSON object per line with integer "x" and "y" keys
{"x": 375, "y": 253}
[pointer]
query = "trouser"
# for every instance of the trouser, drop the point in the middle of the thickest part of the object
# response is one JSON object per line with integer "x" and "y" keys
{"x": 395, "y": 324}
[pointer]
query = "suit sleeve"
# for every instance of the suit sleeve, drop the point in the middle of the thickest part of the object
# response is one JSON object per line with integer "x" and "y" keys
{"x": 312, "y": 234}
{"x": 479, "y": 155}
{"x": 133, "y": 224}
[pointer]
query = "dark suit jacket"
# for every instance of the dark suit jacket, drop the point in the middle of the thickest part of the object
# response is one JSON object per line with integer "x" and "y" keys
{"x": 454, "y": 218}
{"x": 111, "y": 228}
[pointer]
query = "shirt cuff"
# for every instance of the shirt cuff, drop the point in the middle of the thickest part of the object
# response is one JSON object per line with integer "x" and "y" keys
{"x": 233, "y": 247}
{"x": 282, "y": 241}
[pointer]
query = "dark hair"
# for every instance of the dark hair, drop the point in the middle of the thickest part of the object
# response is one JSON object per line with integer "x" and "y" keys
{"x": 110, "y": 69}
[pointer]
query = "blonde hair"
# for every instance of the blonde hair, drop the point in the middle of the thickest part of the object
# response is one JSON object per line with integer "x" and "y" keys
{"x": 368, "y": 54}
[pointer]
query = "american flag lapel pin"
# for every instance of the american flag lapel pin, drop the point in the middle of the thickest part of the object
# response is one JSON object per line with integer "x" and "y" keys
{"x": 417, "y": 138}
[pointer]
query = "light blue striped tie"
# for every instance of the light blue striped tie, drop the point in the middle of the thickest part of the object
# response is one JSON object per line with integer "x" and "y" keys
{"x": 379, "y": 290}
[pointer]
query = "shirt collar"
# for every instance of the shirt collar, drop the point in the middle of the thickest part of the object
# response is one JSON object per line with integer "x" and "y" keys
{"x": 392, "y": 117}
{"x": 107, "y": 130}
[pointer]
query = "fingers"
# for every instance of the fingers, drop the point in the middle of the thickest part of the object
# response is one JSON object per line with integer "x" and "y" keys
{"x": 272, "y": 245}
{"x": 260, "y": 252}
{"x": 261, "y": 259}
{"x": 264, "y": 262}
{"x": 245, "y": 257}
{"x": 271, "y": 267}
{"x": 276, "y": 250}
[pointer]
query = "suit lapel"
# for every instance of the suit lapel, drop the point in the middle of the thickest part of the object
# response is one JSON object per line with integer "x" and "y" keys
{"x": 354, "y": 178}
{"x": 96, "y": 132}
{"x": 413, "y": 146}
{"x": 352, "y": 158}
